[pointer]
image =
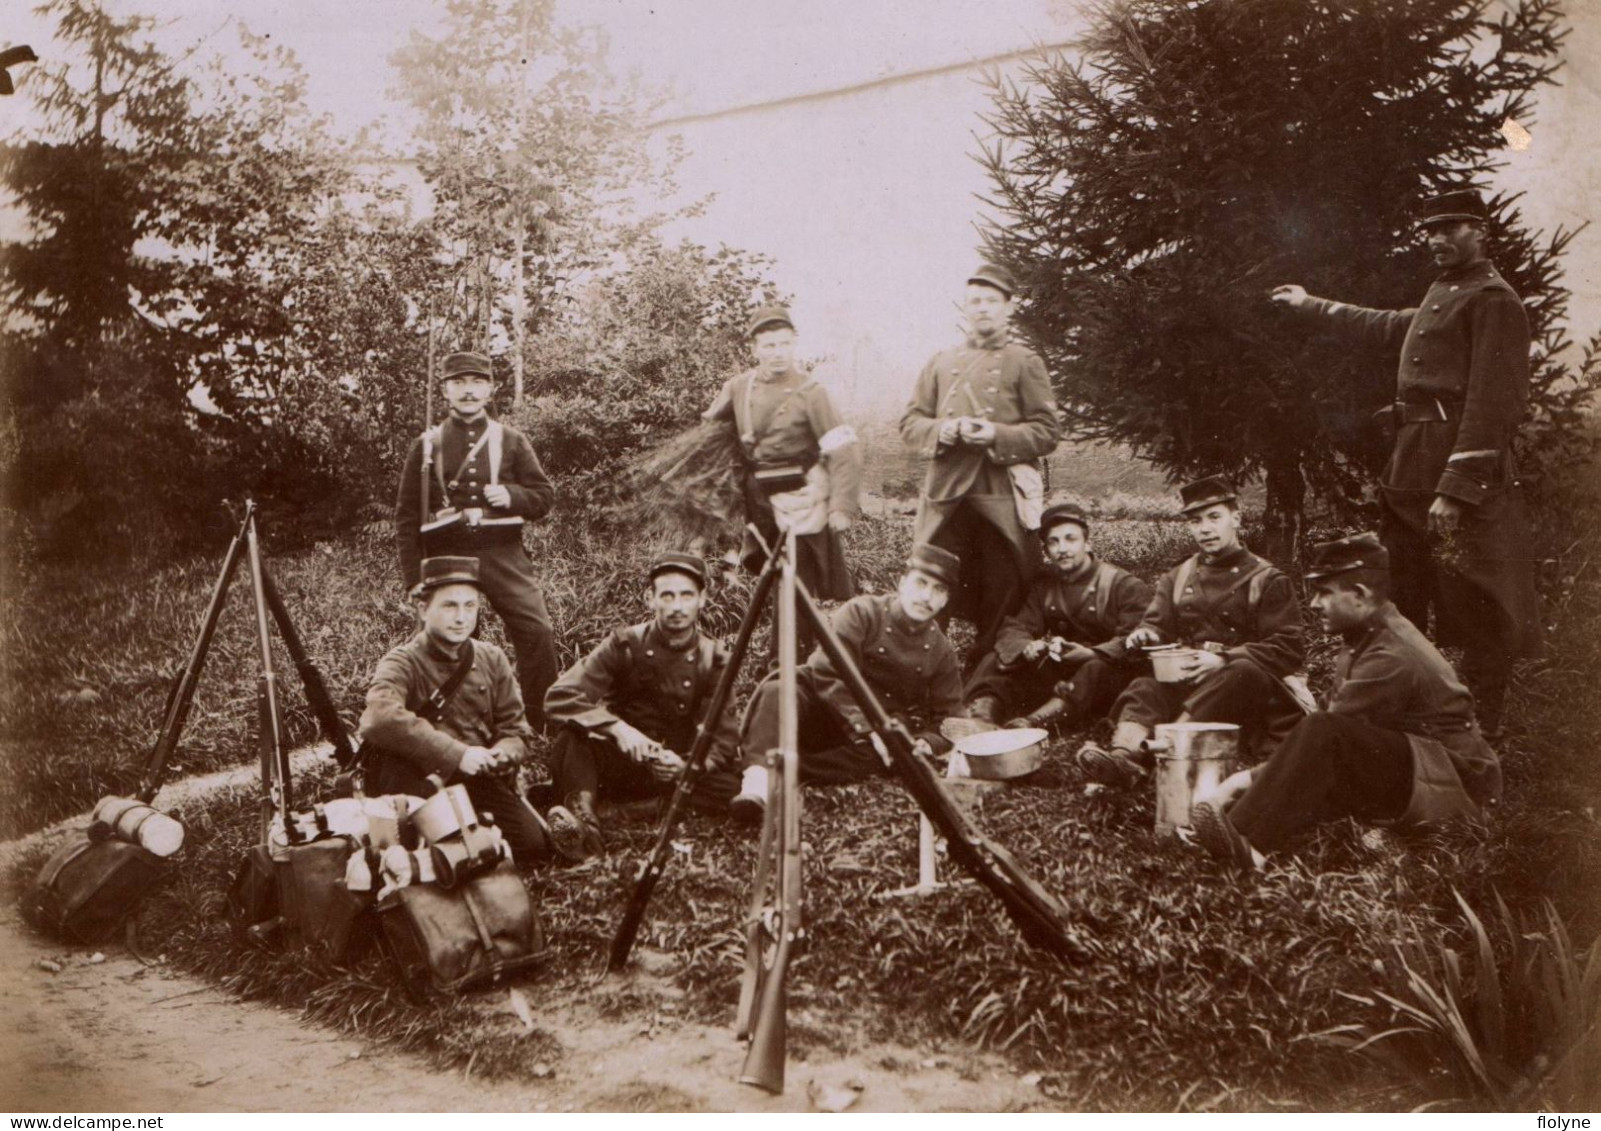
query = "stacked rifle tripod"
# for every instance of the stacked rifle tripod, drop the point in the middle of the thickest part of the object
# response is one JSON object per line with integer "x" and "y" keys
{"x": 88, "y": 889}
{"x": 775, "y": 927}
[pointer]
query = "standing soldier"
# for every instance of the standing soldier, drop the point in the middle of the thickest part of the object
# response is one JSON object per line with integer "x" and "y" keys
{"x": 484, "y": 481}
{"x": 1240, "y": 615}
{"x": 631, "y": 707}
{"x": 1453, "y": 518}
{"x": 1063, "y": 653}
{"x": 787, "y": 423}
{"x": 983, "y": 414}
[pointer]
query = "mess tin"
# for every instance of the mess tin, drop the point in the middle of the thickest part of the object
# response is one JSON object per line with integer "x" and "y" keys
{"x": 996, "y": 755}
{"x": 449, "y": 812}
{"x": 1168, "y": 660}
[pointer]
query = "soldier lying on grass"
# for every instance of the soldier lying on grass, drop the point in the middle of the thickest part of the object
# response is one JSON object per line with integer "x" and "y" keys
{"x": 1063, "y": 655}
{"x": 629, "y": 710}
{"x": 1239, "y": 613}
{"x": 905, "y": 659}
{"x": 1399, "y": 742}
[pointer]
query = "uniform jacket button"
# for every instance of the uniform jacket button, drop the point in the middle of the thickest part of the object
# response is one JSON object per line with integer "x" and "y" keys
{"x": 650, "y": 651}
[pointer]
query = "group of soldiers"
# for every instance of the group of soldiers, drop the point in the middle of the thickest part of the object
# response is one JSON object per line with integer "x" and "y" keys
{"x": 1061, "y": 635}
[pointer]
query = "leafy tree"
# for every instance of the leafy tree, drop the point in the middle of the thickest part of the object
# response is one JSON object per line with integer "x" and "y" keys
{"x": 522, "y": 138}
{"x": 645, "y": 349}
{"x": 1151, "y": 194}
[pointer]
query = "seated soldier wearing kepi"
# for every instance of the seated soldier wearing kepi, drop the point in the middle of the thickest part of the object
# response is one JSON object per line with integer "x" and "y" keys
{"x": 1062, "y": 654}
{"x": 482, "y": 727}
{"x": 630, "y": 709}
{"x": 1240, "y": 615}
{"x": 1398, "y": 742}
{"x": 905, "y": 659}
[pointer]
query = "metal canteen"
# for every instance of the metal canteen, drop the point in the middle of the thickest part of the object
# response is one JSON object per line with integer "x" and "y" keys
{"x": 447, "y": 813}
{"x": 996, "y": 755}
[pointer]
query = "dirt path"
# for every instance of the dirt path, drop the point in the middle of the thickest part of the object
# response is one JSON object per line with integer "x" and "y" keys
{"x": 105, "y": 1032}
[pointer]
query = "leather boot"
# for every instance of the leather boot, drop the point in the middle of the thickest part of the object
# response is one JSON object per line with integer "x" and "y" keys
{"x": 581, "y": 803}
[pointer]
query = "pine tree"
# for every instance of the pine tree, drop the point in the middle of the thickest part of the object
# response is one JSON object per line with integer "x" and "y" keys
{"x": 1151, "y": 194}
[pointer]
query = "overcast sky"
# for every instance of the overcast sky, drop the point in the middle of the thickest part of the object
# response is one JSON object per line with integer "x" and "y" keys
{"x": 868, "y": 202}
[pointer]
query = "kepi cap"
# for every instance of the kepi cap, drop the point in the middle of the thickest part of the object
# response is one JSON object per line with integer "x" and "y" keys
{"x": 994, "y": 275}
{"x": 936, "y": 562}
{"x": 437, "y": 572}
{"x": 1058, "y": 513}
{"x": 676, "y": 561}
{"x": 466, "y": 363}
{"x": 767, "y": 318}
{"x": 1204, "y": 492}
{"x": 1449, "y": 207}
{"x": 1359, "y": 551}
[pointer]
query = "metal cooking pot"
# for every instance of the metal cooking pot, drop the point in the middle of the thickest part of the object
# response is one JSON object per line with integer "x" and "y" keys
{"x": 996, "y": 755}
{"x": 1167, "y": 664}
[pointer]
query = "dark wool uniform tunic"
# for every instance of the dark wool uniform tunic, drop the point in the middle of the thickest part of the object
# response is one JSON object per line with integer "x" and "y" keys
{"x": 1398, "y": 742}
{"x": 1261, "y": 645}
{"x": 791, "y": 419}
{"x": 635, "y": 676}
{"x": 486, "y": 710}
{"x": 967, "y": 504}
{"x": 1461, "y": 390}
{"x": 909, "y": 666}
{"x": 505, "y": 573}
{"x": 1097, "y": 605}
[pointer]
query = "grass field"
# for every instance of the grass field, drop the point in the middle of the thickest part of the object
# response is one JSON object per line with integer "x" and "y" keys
{"x": 1205, "y": 989}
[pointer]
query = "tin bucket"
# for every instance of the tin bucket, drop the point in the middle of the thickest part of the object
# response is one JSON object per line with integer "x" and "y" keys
{"x": 1191, "y": 759}
{"x": 1167, "y": 664}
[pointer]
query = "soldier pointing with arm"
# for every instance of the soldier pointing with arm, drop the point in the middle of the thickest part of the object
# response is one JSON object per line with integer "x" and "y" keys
{"x": 1453, "y": 520}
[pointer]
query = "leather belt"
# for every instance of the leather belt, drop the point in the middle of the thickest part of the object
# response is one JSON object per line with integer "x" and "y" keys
{"x": 1415, "y": 412}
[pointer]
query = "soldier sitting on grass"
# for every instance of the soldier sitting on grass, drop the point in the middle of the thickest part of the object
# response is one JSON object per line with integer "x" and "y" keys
{"x": 1239, "y": 614}
{"x": 1398, "y": 743}
{"x": 482, "y": 726}
{"x": 630, "y": 709}
{"x": 1062, "y": 655}
{"x": 903, "y": 656}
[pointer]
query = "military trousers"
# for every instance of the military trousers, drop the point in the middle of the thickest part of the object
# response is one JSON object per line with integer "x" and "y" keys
{"x": 1089, "y": 689}
{"x": 1329, "y": 766}
{"x": 830, "y": 752}
{"x": 1480, "y": 586}
{"x": 992, "y": 578}
{"x": 593, "y": 763}
{"x": 1240, "y": 692}
{"x": 508, "y": 581}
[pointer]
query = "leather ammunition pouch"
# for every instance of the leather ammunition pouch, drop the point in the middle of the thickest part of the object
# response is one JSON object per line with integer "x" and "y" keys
{"x": 449, "y": 939}
{"x": 297, "y": 896}
{"x": 86, "y": 890}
